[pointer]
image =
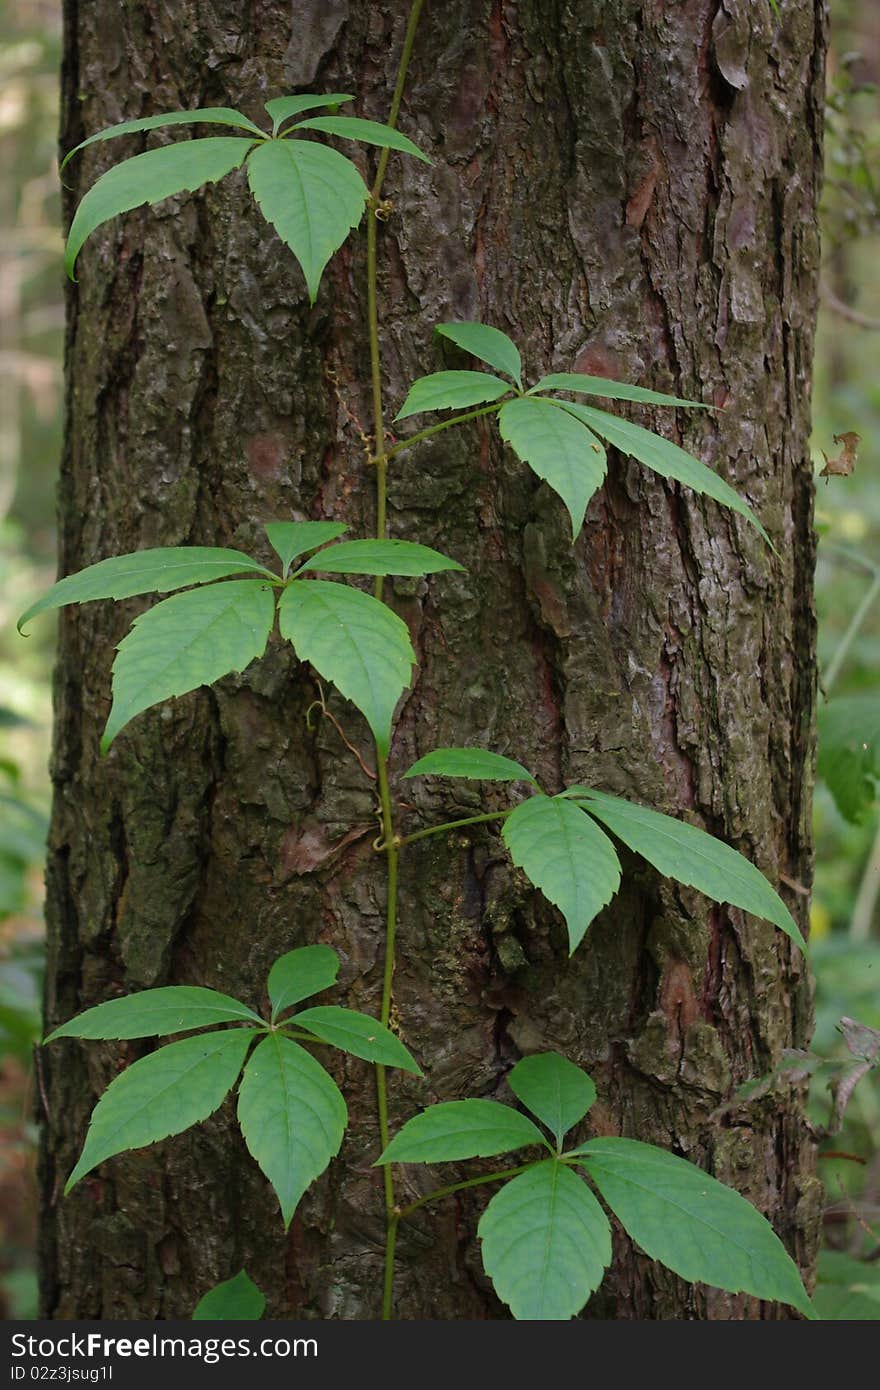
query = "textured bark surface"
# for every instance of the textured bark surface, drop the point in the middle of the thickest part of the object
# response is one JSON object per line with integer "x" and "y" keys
{"x": 629, "y": 188}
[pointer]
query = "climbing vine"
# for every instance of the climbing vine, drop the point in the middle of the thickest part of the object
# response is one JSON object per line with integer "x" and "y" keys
{"x": 545, "y": 1233}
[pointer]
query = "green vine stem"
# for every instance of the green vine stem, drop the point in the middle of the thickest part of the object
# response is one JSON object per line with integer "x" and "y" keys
{"x": 501, "y": 1176}
{"x": 391, "y": 847}
{"x": 453, "y": 825}
{"x": 402, "y": 444}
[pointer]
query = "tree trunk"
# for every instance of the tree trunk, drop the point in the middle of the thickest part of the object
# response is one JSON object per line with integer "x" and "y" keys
{"x": 628, "y": 188}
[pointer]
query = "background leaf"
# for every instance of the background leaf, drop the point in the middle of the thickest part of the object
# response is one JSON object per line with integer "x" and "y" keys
{"x": 235, "y": 1300}
{"x": 358, "y": 1034}
{"x": 546, "y": 1243}
{"x": 370, "y": 132}
{"x": 354, "y": 641}
{"x": 691, "y": 856}
{"x": 155, "y": 1013}
{"x": 488, "y": 344}
{"x": 462, "y": 1129}
{"x": 292, "y": 1116}
{"x": 145, "y": 572}
{"x": 299, "y": 974}
{"x": 476, "y": 763}
{"x": 380, "y": 557}
{"x": 312, "y": 196}
{"x": 175, "y": 1087}
{"x": 554, "y": 1089}
{"x": 188, "y": 640}
{"x": 663, "y": 457}
{"x": 611, "y": 390}
{"x": 692, "y": 1223}
{"x": 567, "y": 456}
{"x": 208, "y": 115}
{"x": 565, "y": 855}
{"x": 849, "y": 751}
{"x": 451, "y": 391}
{"x": 150, "y": 177}
{"x": 291, "y": 538}
{"x": 281, "y": 108}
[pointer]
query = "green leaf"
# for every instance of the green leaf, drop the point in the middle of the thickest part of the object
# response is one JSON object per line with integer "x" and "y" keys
{"x": 155, "y": 1013}
{"x": 691, "y": 856}
{"x": 370, "y": 132}
{"x": 692, "y": 1223}
{"x": 476, "y": 763}
{"x": 188, "y": 640}
{"x": 849, "y": 752}
{"x": 358, "y": 1034}
{"x": 565, "y": 855}
{"x": 292, "y": 1116}
{"x": 462, "y": 1129}
{"x": 488, "y": 344}
{"x": 292, "y": 538}
{"x": 546, "y": 1243}
{"x": 175, "y": 1087}
{"x": 208, "y": 115}
{"x": 281, "y": 108}
{"x": 380, "y": 557}
{"x": 451, "y": 391}
{"x": 150, "y": 177}
{"x": 611, "y": 390}
{"x": 354, "y": 641}
{"x": 562, "y": 452}
{"x": 554, "y": 1089}
{"x": 312, "y": 196}
{"x": 300, "y": 974}
{"x": 235, "y": 1300}
{"x": 145, "y": 572}
{"x": 663, "y": 457}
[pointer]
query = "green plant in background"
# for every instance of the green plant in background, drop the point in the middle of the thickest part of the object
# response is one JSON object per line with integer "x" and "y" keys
{"x": 545, "y": 1236}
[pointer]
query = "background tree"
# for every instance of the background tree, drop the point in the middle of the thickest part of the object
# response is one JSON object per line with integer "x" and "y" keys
{"x": 629, "y": 190}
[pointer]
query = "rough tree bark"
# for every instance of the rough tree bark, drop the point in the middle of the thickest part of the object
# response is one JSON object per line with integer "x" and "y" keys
{"x": 628, "y": 188}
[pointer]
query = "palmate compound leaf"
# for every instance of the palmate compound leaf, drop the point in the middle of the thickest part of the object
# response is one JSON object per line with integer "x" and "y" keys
{"x": 563, "y": 452}
{"x": 690, "y": 855}
{"x": 663, "y": 457}
{"x": 175, "y": 1087}
{"x": 554, "y": 1089}
{"x": 188, "y": 640}
{"x": 462, "y": 1129}
{"x": 145, "y": 572}
{"x": 566, "y": 856}
{"x": 299, "y": 974}
{"x": 611, "y": 390}
{"x": 235, "y": 1300}
{"x": 696, "y": 1226}
{"x": 292, "y": 1116}
{"x": 312, "y": 196}
{"x": 488, "y": 344}
{"x": 154, "y": 1013}
{"x": 150, "y": 177}
{"x": 358, "y": 1034}
{"x": 452, "y": 391}
{"x": 849, "y": 752}
{"x": 354, "y": 641}
{"x": 369, "y": 132}
{"x": 208, "y": 115}
{"x": 282, "y": 108}
{"x": 380, "y": 557}
{"x": 292, "y": 538}
{"x": 546, "y": 1243}
{"x": 478, "y": 764}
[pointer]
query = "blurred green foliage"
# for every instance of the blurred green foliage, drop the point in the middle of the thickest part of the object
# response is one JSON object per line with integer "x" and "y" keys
{"x": 846, "y": 931}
